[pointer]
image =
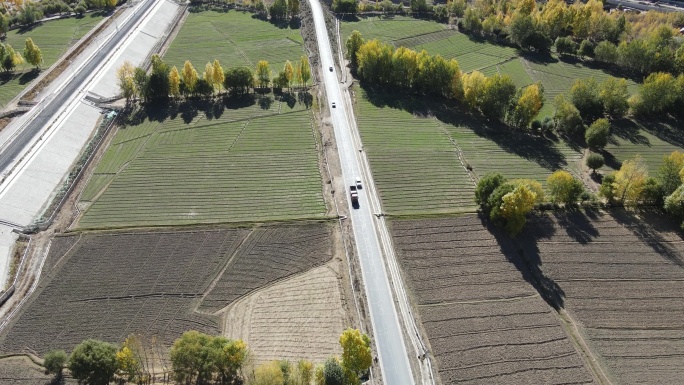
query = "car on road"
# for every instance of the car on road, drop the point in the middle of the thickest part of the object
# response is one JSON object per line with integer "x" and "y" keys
{"x": 358, "y": 183}
{"x": 330, "y": 68}
{"x": 354, "y": 195}
{"x": 333, "y": 105}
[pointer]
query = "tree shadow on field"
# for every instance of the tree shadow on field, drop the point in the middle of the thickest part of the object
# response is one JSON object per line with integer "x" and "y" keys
{"x": 527, "y": 260}
{"x": 288, "y": 98}
{"x": 649, "y": 224}
{"x": 27, "y": 77}
{"x": 305, "y": 98}
{"x": 666, "y": 128}
{"x": 627, "y": 129}
{"x": 535, "y": 148}
{"x": 578, "y": 223}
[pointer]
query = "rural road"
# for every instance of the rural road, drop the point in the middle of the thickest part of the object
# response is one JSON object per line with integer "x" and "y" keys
{"x": 52, "y": 104}
{"x": 389, "y": 338}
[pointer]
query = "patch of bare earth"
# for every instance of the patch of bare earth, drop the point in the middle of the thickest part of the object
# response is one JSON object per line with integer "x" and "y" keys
{"x": 622, "y": 276}
{"x": 300, "y": 317}
{"x": 484, "y": 321}
{"x": 20, "y": 370}
{"x": 109, "y": 285}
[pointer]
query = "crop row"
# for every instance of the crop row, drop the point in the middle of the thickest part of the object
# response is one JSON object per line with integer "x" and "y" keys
{"x": 244, "y": 41}
{"x": 274, "y": 253}
{"x": 213, "y": 170}
{"x": 415, "y": 165}
{"x": 484, "y": 322}
{"x": 622, "y": 277}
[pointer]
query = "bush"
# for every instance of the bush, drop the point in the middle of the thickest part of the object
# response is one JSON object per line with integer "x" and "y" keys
{"x": 606, "y": 190}
{"x": 586, "y": 49}
{"x": 565, "y": 46}
{"x": 598, "y": 133}
{"x": 486, "y": 186}
{"x": 54, "y": 361}
{"x": 333, "y": 373}
{"x": 563, "y": 187}
{"x": 595, "y": 161}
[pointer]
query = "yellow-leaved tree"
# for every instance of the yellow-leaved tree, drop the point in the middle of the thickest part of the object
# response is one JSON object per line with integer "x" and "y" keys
{"x": 515, "y": 206}
{"x": 128, "y": 363}
{"x": 563, "y": 187}
{"x": 528, "y": 105}
{"x": 630, "y": 181}
{"x": 473, "y": 89}
{"x": 263, "y": 74}
{"x": 305, "y": 70}
{"x": 356, "y": 354}
{"x": 125, "y": 79}
{"x": 190, "y": 77}
{"x": 32, "y": 53}
{"x": 208, "y": 75}
{"x": 174, "y": 82}
{"x": 289, "y": 73}
{"x": 219, "y": 75}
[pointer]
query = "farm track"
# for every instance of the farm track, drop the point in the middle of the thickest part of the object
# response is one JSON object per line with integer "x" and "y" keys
{"x": 484, "y": 322}
{"x": 109, "y": 285}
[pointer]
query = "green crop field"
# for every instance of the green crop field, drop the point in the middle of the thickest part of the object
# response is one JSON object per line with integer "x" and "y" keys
{"x": 236, "y": 39}
{"x": 413, "y": 148}
{"x": 415, "y": 164}
{"x": 256, "y": 162}
{"x": 54, "y": 38}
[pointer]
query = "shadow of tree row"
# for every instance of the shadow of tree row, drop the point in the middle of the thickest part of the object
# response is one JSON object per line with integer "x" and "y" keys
{"x": 212, "y": 108}
{"x": 648, "y": 226}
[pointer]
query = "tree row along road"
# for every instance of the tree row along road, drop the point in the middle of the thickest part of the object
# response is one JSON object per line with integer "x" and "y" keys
{"x": 389, "y": 339}
{"x": 14, "y": 148}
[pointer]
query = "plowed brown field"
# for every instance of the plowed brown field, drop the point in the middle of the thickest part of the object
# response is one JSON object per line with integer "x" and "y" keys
{"x": 109, "y": 285}
{"x": 623, "y": 279}
{"x": 485, "y": 323}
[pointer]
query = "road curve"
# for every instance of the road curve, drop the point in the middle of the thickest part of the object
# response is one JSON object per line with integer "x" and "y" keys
{"x": 389, "y": 339}
{"x": 12, "y": 150}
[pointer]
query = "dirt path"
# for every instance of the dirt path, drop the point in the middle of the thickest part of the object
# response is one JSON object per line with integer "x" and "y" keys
{"x": 590, "y": 358}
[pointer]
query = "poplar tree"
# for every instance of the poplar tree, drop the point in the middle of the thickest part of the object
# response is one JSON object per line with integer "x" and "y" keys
{"x": 209, "y": 74}
{"x": 305, "y": 70}
{"x": 174, "y": 82}
{"x": 289, "y": 73}
{"x": 219, "y": 75}
{"x": 32, "y": 53}
{"x": 190, "y": 77}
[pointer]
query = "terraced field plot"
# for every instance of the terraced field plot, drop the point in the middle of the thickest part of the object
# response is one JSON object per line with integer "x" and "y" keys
{"x": 415, "y": 160}
{"x": 256, "y": 162}
{"x": 415, "y": 164}
{"x": 650, "y": 140}
{"x": 623, "y": 278}
{"x": 21, "y": 370}
{"x": 109, "y": 285}
{"x": 484, "y": 322}
{"x": 236, "y": 39}
{"x": 54, "y": 38}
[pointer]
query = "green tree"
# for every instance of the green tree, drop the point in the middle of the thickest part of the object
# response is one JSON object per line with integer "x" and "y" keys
{"x": 191, "y": 358}
{"x": 305, "y": 70}
{"x": 567, "y": 117}
{"x": 585, "y": 96}
{"x": 263, "y": 74}
{"x": 674, "y": 203}
{"x": 229, "y": 356}
{"x": 33, "y": 54}
{"x": 669, "y": 172}
{"x": 597, "y": 134}
{"x": 606, "y": 52}
{"x": 11, "y": 59}
{"x": 595, "y": 161}
{"x": 356, "y": 354}
{"x": 656, "y": 95}
{"x": 218, "y": 75}
{"x": 630, "y": 181}
{"x": 239, "y": 80}
{"x": 293, "y": 7}
{"x": 353, "y": 44}
{"x": 565, "y": 46}
{"x": 486, "y": 186}
{"x": 140, "y": 79}
{"x": 158, "y": 86}
{"x": 4, "y": 25}
{"x": 333, "y": 373}
{"x": 174, "y": 82}
{"x": 278, "y": 10}
{"x": 498, "y": 92}
{"x": 190, "y": 77}
{"x": 93, "y": 362}
{"x": 606, "y": 188}
{"x": 563, "y": 187}
{"x": 586, "y": 49}
{"x": 54, "y": 361}
{"x": 472, "y": 21}
{"x": 613, "y": 94}
{"x": 350, "y": 7}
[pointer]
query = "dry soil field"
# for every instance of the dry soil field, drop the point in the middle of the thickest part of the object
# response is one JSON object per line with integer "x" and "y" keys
{"x": 109, "y": 285}
{"x": 623, "y": 279}
{"x": 485, "y": 323}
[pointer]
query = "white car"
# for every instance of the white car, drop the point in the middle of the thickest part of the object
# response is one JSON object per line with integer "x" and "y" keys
{"x": 358, "y": 183}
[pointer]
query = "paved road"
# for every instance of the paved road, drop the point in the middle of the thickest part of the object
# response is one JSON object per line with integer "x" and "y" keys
{"x": 388, "y": 334}
{"x": 12, "y": 150}
{"x": 646, "y": 6}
